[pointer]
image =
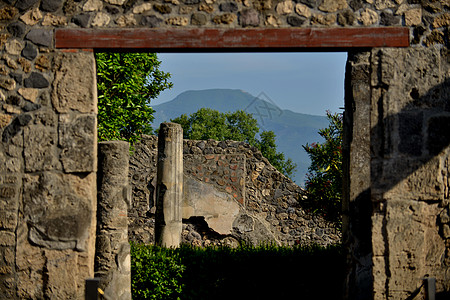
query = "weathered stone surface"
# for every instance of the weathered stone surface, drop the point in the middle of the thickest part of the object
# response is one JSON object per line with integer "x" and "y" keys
{"x": 41, "y": 148}
{"x": 13, "y": 47}
{"x": 100, "y": 19}
{"x": 7, "y": 238}
{"x": 368, "y": 17}
{"x": 113, "y": 251}
{"x": 229, "y": 7}
{"x": 346, "y": 18}
{"x": 26, "y": 64}
{"x": 206, "y": 8}
{"x": 142, "y": 8}
{"x": 384, "y": 4}
{"x": 36, "y": 80}
{"x": 295, "y": 21}
{"x": 225, "y": 18}
{"x": 52, "y": 20}
{"x": 162, "y": 8}
{"x": 303, "y": 10}
{"x": 151, "y": 21}
{"x": 285, "y": 7}
{"x": 333, "y": 5}
{"x": 126, "y": 20}
{"x": 59, "y": 209}
{"x": 323, "y": 19}
{"x": 4, "y": 120}
{"x": 198, "y": 19}
{"x": 413, "y": 16}
{"x": 93, "y": 5}
{"x": 169, "y": 185}
{"x": 442, "y": 21}
{"x": 29, "y": 94}
{"x": 32, "y": 17}
{"x": 25, "y": 4}
{"x": 249, "y": 17}
{"x": 178, "y": 21}
{"x": 77, "y": 138}
{"x": 51, "y": 5}
{"x": 388, "y": 19}
{"x": 74, "y": 84}
{"x": 7, "y": 13}
{"x": 115, "y": 2}
{"x": 7, "y": 83}
{"x": 17, "y": 29}
{"x": 219, "y": 209}
{"x": 82, "y": 20}
{"x": 40, "y": 37}
{"x": 43, "y": 63}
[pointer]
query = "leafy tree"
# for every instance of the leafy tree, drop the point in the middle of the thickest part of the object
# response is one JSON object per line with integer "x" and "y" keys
{"x": 126, "y": 84}
{"x": 207, "y": 123}
{"x": 324, "y": 179}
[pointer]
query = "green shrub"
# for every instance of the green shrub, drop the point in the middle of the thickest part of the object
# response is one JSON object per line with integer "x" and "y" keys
{"x": 155, "y": 273}
{"x": 264, "y": 272}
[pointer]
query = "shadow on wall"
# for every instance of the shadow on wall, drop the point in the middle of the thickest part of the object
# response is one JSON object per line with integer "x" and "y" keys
{"x": 409, "y": 162}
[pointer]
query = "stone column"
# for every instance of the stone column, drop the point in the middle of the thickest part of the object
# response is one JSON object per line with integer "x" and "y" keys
{"x": 169, "y": 185}
{"x": 112, "y": 260}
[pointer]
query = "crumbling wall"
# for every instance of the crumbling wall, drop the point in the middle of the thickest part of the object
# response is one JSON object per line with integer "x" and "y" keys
{"x": 48, "y": 180}
{"x": 402, "y": 194}
{"x": 232, "y": 194}
{"x": 47, "y": 125}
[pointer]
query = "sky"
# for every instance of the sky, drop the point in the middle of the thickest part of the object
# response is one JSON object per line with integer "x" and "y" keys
{"x": 309, "y": 83}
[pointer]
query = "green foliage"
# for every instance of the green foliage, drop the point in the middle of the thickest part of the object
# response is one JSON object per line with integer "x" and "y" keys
{"x": 126, "y": 84}
{"x": 324, "y": 180}
{"x": 263, "y": 272}
{"x": 207, "y": 123}
{"x": 156, "y": 273}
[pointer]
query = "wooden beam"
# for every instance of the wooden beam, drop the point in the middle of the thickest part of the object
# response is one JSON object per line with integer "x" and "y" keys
{"x": 279, "y": 39}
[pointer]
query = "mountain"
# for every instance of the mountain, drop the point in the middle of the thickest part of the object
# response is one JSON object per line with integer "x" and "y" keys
{"x": 292, "y": 129}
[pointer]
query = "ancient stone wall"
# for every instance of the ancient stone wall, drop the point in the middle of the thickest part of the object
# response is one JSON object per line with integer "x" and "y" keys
{"x": 232, "y": 194}
{"x": 397, "y": 142}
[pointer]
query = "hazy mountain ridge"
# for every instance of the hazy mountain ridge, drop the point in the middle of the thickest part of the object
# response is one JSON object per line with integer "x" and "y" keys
{"x": 292, "y": 129}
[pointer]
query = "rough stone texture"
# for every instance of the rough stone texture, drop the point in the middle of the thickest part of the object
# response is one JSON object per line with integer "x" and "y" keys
{"x": 67, "y": 96}
{"x": 268, "y": 204}
{"x": 409, "y": 178}
{"x": 77, "y": 134}
{"x": 169, "y": 185}
{"x": 407, "y": 90}
{"x": 112, "y": 257}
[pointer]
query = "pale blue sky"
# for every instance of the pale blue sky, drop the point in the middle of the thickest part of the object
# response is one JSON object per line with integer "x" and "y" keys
{"x": 307, "y": 83}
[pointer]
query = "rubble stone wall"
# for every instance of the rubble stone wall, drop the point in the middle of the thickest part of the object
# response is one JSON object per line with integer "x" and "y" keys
{"x": 268, "y": 205}
{"x": 397, "y": 105}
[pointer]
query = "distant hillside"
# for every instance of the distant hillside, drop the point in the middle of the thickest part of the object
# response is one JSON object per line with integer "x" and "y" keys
{"x": 291, "y": 129}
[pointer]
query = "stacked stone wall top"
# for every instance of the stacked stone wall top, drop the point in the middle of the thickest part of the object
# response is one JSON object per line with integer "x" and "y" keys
{"x": 267, "y": 204}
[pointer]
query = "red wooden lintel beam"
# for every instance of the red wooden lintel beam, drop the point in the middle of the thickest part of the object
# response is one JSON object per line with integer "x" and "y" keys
{"x": 184, "y": 39}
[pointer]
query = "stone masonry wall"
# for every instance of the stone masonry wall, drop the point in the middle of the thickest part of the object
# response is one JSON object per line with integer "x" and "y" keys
{"x": 267, "y": 204}
{"x": 396, "y": 102}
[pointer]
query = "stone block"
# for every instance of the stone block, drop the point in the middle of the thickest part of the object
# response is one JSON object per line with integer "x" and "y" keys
{"x": 36, "y": 80}
{"x": 40, "y": 148}
{"x": 59, "y": 209}
{"x": 74, "y": 84}
{"x": 41, "y": 37}
{"x": 7, "y": 238}
{"x": 78, "y": 140}
{"x": 8, "y": 219}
